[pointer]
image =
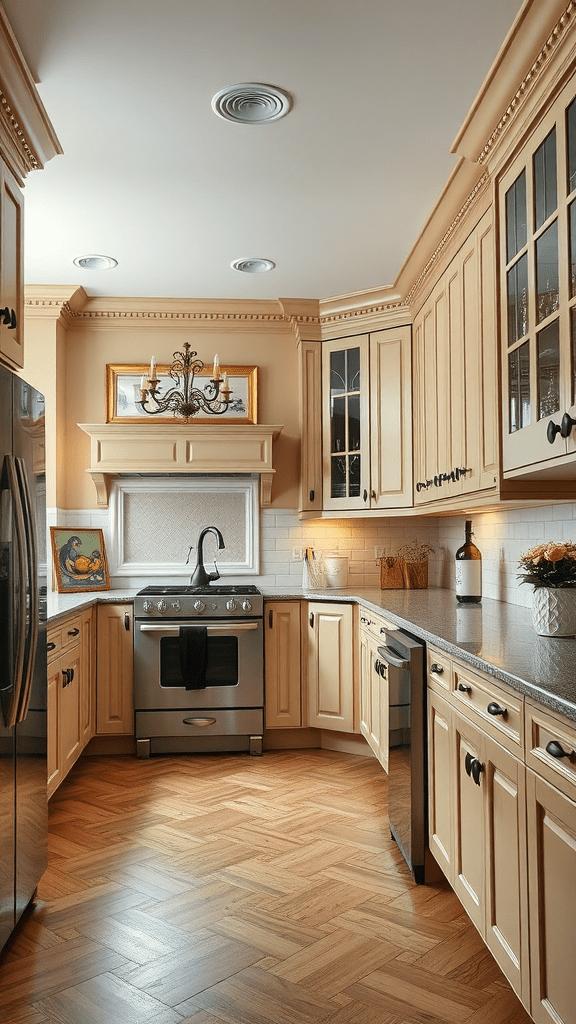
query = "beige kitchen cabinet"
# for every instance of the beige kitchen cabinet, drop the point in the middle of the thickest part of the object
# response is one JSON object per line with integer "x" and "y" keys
{"x": 367, "y": 421}
{"x": 374, "y": 697}
{"x": 115, "y": 666}
{"x": 310, "y": 385}
{"x": 455, "y": 361}
{"x": 65, "y": 685}
{"x": 331, "y": 666}
{"x": 282, "y": 673}
{"x": 477, "y": 808}
{"x": 551, "y": 797}
{"x": 11, "y": 269}
{"x": 88, "y": 675}
{"x": 537, "y": 203}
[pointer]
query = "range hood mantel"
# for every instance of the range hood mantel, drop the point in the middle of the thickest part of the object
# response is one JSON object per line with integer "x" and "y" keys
{"x": 161, "y": 448}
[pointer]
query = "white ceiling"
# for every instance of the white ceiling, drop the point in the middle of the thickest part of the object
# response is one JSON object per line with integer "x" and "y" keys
{"x": 335, "y": 193}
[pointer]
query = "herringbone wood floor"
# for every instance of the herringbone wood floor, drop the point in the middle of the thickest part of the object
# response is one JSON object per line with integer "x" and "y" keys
{"x": 203, "y": 889}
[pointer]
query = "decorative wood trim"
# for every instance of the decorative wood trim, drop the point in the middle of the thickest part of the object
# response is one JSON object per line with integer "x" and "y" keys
{"x": 175, "y": 448}
{"x": 539, "y": 66}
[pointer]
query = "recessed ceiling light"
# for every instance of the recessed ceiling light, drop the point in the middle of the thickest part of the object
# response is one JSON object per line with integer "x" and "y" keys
{"x": 253, "y": 266}
{"x": 251, "y": 103}
{"x": 93, "y": 262}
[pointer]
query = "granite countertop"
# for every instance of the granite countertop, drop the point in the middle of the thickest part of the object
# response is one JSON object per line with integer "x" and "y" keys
{"x": 494, "y": 637}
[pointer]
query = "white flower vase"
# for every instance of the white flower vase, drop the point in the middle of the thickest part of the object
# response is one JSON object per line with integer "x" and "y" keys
{"x": 554, "y": 611}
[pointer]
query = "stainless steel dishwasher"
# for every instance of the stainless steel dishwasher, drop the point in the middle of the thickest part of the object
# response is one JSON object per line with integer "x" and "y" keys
{"x": 403, "y": 658}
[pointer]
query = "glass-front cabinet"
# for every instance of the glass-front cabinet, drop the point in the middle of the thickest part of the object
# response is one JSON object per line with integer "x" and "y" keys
{"x": 537, "y": 198}
{"x": 367, "y": 421}
{"x": 346, "y": 425}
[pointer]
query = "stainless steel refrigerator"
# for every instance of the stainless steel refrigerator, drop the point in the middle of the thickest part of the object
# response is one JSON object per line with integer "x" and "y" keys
{"x": 23, "y": 803}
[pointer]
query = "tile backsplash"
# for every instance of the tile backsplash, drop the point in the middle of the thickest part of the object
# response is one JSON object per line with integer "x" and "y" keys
{"x": 501, "y": 537}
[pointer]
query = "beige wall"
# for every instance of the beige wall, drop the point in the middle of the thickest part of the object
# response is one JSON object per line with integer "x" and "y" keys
{"x": 67, "y": 353}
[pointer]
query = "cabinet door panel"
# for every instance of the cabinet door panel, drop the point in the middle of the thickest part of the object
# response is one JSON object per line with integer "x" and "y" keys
{"x": 115, "y": 701}
{"x": 11, "y": 267}
{"x": 391, "y": 418}
{"x": 469, "y": 830}
{"x": 440, "y": 782}
{"x": 331, "y": 667}
{"x": 282, "y": 661}
{"x": 506, "y": 904}
{"x": 551, "y": 874}
{"x": 69, "y": 710}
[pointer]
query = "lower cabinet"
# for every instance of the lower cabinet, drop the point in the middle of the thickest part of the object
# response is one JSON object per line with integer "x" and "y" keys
{"x": 374, "y": 697}
{"x": 70, "y": 696}
{"x": 115, "y": 661}
{"x": 477, "y": 820}
{"x": 331, "y": 666}
{"x": 282, "y": 653}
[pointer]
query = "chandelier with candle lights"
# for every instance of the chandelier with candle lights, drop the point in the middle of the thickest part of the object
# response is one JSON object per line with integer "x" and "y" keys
{"x": 184, "y": 399}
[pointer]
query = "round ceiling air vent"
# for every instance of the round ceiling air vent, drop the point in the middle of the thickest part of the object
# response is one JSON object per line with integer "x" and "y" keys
{"x": 253, "y": 266}
{"x": 251, "y": 103}
{"x": 94, "y": 262}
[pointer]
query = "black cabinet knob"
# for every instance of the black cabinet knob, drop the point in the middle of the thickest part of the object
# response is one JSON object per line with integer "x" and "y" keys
{"x": 551, "y": 430}
{"x": 477, "y": 769}
{"x": 50, "y": 646}
{"x": 495, "y": 709}
{"x": 468, "y": 763}
{"x": 73, "y": 632}
{"x": 566, "y": 425}
{"x": 311, "y": 496}
{"x": 365, "y": 495}
{"x": 464, "y": 687}
{"x": 436, "y": 668}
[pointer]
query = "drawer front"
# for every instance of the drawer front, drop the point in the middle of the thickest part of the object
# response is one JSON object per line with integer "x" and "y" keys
{"x": 373, "y": 625}
{"x": 62, "y": 636}
{"x": 439, "y": 670}
{"x": 493, "y": 707}
{"x": 551, "y": 748}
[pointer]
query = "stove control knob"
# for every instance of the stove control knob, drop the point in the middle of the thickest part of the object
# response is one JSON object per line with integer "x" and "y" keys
{"x": 147, "y": 606}
{"x": 246, "y": 606}
{"x": 175, "y": 605}
{"x": 161, "y": 606}
{"x": 199, "y": 606}
{"x": 231, "y": 605}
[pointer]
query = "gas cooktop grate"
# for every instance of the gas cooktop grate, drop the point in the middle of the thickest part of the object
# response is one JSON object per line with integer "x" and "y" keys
{"x": 184, "y": 591}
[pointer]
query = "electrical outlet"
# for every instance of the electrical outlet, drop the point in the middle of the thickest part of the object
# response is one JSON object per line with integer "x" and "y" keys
{"x": 297, "y": 554}
{"x": 379, "y": 551}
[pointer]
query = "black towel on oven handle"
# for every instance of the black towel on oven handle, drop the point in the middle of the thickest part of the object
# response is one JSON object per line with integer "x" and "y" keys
{"x": 192, "y": 641}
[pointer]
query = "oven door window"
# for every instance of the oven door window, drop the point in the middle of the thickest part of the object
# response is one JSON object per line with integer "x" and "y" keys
{"x": 221, "y": 661}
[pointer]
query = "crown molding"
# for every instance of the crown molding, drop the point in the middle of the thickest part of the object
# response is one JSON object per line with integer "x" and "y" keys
{"x": 75, "y": 308}
{"x": 27, "y": 137}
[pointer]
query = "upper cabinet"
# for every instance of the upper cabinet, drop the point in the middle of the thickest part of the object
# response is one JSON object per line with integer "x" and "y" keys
{"x": 11, "y": 269}
{"x": 537, "y": 211}
{"x": 27, "y": 142}
{"x": 455, "y": 359}
{"x": 367, "y": 421}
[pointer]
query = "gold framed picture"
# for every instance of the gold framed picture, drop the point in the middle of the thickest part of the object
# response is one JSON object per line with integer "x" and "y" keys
{"x": 123, "y": 392}
{"x": 79, "y": 559}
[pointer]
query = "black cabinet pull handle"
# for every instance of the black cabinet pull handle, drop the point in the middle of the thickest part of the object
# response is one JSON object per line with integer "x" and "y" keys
{"x": 13, "y": 321}
{"x": 65, "y": 676}
{"x": 70, "y": 675}
{"x": 554, "y": 748}
{"x": 127, "y": 621}
{"x": 468, "y": 763}
{"x": 270, "y": 618}
{"x": 365, "y": 495}
{"x": 551, "y": 430}
{"x": 311, "y": 495}
{"x": 50, "y": 646}
{"x": 311, "y": 619}
{"x": 434, "y": 667}
{"x": 5, "y": 314}
{"x": 566, "y": 425}
{"x": 73, "y": 632}
{"x": 464, "y": 688}
{"x": 495, "y": 709}
{"x": 477, "y": 768}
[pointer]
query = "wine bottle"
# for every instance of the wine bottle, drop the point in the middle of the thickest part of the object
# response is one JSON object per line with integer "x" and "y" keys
{"x": 468, "y": 569}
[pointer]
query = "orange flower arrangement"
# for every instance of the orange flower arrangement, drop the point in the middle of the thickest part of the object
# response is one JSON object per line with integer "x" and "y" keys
{"x": 552, "y": 564}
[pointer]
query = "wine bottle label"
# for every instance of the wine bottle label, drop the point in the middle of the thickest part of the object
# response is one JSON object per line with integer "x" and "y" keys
{"x": 469, "y": 578}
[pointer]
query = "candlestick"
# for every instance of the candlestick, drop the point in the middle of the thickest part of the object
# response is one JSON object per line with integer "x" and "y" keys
{"x": 153, "y": 368}
{"x": 216, "y": 370}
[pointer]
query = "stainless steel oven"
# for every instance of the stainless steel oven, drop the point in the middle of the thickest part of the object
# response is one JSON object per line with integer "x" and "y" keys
{"x": 221, "y": 708}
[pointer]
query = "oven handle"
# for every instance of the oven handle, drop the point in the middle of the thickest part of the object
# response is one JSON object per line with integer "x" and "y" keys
{"x": 173, "y": 630}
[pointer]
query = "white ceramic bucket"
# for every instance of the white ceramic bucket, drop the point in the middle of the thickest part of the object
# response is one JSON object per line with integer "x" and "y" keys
{"x": 336, "y": 571}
